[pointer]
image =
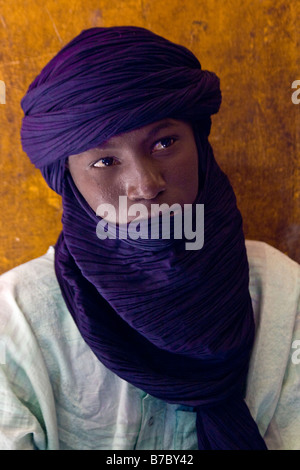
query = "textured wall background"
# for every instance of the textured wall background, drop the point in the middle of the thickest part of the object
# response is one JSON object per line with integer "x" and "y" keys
{"x": 253, "y": 45}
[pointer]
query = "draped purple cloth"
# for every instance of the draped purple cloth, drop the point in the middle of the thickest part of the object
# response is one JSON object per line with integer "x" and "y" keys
{"x": 175, "y": 323}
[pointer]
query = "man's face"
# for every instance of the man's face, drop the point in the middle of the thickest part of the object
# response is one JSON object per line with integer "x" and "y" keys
{"x": 154, "y": 164}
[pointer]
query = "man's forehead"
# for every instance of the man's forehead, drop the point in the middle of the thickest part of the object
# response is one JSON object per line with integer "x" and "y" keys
{"x": 147, "y": 131}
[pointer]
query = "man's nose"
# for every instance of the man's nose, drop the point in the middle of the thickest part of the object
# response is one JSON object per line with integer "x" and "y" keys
{"x": 146, "y": 181}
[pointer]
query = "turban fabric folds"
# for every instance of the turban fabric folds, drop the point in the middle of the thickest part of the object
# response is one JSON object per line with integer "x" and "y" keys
{"x": 92, "y": 91}
{"x": 178, "y": 324}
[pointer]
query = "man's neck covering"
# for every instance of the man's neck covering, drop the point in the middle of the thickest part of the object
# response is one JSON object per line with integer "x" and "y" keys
{"x": 175, "y": 323}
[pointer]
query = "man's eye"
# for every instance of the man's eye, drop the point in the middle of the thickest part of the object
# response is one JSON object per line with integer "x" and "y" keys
{"x": 164, "y": 143}
{"x": 103, "y": 162}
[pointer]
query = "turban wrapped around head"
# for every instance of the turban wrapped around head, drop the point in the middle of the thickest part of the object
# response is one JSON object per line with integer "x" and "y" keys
{"x": 177, "y": 324}
{"x": 92, "y": 90}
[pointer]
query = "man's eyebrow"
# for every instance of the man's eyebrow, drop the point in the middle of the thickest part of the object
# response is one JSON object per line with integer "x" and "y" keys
{"x": 150, "y": 134}
{"x": 159, "y": 127}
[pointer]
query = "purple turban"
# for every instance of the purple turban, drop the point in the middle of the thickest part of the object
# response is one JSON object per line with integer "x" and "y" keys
{"x": 175, "y": 323}
{"x": 107, "y": 81}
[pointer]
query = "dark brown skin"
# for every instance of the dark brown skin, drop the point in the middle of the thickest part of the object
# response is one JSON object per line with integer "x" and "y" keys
{"x": 154, "y": 164}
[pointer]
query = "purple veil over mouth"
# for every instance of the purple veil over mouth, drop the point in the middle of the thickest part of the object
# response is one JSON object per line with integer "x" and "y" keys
{"x": 175, "y": 323}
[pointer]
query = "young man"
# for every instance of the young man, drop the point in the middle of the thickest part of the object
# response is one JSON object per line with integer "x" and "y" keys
{"x": 120, "y": 337}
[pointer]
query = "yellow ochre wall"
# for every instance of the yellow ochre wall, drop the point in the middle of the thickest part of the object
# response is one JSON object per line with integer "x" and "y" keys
{"x": 252, "y": 45}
